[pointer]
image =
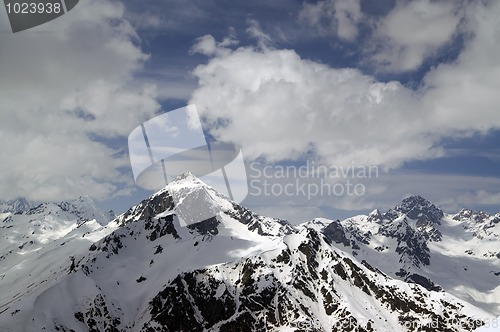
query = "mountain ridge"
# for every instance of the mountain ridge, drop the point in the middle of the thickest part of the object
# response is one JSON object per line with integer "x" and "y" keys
{"x": 17, "y": 205}
{"x": 429, "y": 251}
{"x": 148, "y": 270}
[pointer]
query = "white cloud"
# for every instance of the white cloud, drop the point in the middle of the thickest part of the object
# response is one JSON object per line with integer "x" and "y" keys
{"x": 464, "y": 94}
{"x": 481, "y": 197}
{"x": 207, "y": 44}
{"x": 338, "y": 17}
{"x": 400, "y": 41}
{"x": 290, "y": 211}
{"x": 147, "y": 20}
{"x": 62, "y": 84}
{"x": 254, "y": 30}
{"x": 449, "y": 192}
{"x": 279, "y": 106}
{"x": 413, "y": 31}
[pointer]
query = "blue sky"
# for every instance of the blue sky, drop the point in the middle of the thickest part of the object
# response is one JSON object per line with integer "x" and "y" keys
{"x": 407, "y": 86}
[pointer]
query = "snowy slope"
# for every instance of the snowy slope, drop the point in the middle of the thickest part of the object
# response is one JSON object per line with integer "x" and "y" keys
{"x": 15, "y": 206}
{"x": 417, "y": 242}
{"x": 36, "y": 244}
{"x": 238, "y": 271}
{"x": 302, "y": 284}
{"x": 150, "y": 231}
{"x": 29, "y": 230}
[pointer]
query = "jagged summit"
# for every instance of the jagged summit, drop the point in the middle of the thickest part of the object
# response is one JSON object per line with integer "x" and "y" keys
{"x": 473, "y": 216}
{"x": 185, "y": 178}
{"x": 85, "y": 208}
{"x": 375, "y": 216}
{"x": 17, "y": 205}
{"x": 152, "y": 275}
{"x": 82, "y": 208}
{"x": 418, "y": 208}
{"x": 238, "y": 270}
{"x": 182, "y": 182}
{"x": 189, "y": 198}
{"x": 189, "y": 202}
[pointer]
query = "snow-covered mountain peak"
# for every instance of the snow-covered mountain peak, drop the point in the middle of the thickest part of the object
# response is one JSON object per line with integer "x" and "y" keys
{"x": 375, "y": 216}
{"x": 462, "y": 214}
{"x": 420, "y": 209}
{"x": 238, "y": 270}
{"x": 189, "y": 205}
{"x": 35, "y": 243}
{"x": 414, "y": 216}
{"x": 17, "y": 205}
{"x": 190, "y": 199}
{"x": 471, "y": 216}
{"x": 185, "y": 183}
{"x": 85, "y": 209}
{"x": 47, "y": 222}
{"x": 186, "y": 178}
{"x": 80, "y": 209}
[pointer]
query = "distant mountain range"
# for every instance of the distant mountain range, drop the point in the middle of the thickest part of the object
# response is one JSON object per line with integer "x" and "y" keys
{"x": 15, "y": 206}
{"x": 64, "y": 267}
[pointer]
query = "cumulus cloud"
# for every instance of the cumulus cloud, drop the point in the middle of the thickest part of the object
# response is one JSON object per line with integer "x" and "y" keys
{"x": 279, "y": 106}
{"x": 449, "y": 192}
{"x": 338, "y": 17}
{"x": 64, "y": 85}
{"x": 207, "y": 45}
{"x": 399, "y": 41}
{"x": 413, "y": 31}
{"x": 464, "y": 94}
{"x": 255, "y": 31}
{"x": 68, "y": 86}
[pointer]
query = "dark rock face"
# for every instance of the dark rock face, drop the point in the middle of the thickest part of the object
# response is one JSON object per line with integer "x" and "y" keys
{"x": 375, "y": 216}
{"x": 478, "y": 217}
{"x": 296, "y": 283}
{"x": 150, "y": 229}
{"x": 391, "y": 215}
{"x": 258, "y": 223}
{"x": 161, "y": 227}
{"x": 334, "y": 232}
{"x": 463, "y": 214}
{"x": 426, "y": 214}
{"x": 424, "y": 282}
{"x": 149, "y": 208}
{"x": 261, "y": 298}
{"x": 420, "y": 209}
{"x": 412, "y": 245}
{"x": 96, "y": 317}
{"x": 206, "y": 227}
